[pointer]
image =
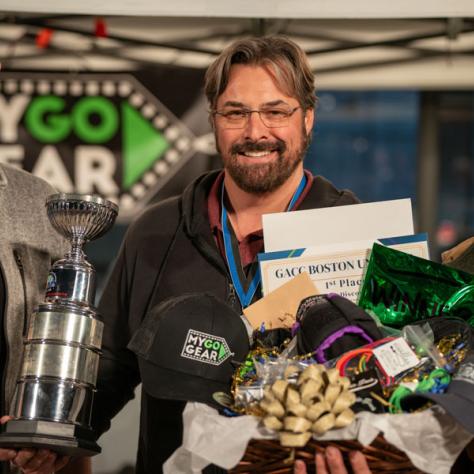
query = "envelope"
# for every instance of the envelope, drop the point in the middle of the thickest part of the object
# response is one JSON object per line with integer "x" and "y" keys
{"x": 278, "y": 308}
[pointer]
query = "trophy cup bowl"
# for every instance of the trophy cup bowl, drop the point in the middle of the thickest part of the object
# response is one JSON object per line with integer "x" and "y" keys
{"x": 80, "y": 218}
{"x": 54, "y": 392}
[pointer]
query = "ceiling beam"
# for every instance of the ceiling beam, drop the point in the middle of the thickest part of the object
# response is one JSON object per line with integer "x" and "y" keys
{"x": 180, "y": 46}
{"x": 391, "y": 62}
{"x": 402, "y": 41}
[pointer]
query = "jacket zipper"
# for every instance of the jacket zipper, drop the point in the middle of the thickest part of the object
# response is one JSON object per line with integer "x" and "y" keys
{"x": 232, "y": 297}
{"x": 21, "y": 268}
{"x": 215, "y": 259}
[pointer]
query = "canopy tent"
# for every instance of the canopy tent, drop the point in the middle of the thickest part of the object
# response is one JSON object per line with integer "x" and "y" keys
{"x": 365, "y": 44}
{"x": 302, "y": 9}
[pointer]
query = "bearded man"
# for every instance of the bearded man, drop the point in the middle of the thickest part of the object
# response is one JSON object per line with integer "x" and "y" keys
{"x": 261, "y": 98}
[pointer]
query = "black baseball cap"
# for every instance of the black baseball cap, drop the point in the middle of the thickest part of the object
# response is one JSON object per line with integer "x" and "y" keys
{"x": 331, "y": 325}
{"x": 188, "y": 348}
{"x": 457, "y": 401}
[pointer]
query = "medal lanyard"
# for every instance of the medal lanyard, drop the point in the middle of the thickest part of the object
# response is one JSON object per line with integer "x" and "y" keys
{"x": 232, "y": 254}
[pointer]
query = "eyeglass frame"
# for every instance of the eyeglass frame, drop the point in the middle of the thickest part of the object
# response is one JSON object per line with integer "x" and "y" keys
{"x": 249, "y": 112}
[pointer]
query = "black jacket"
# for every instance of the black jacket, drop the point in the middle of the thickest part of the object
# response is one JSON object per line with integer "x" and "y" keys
{"x": 169, "y": 250}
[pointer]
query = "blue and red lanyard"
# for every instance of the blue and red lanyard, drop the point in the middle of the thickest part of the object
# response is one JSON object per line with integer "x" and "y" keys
{"x": 245, "y": 285}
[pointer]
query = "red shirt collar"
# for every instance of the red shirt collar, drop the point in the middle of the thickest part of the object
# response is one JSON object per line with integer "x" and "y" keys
{"x": 214, "y": 198}
{"x": 214, "y": 202}
{"x": 252, "y": 243}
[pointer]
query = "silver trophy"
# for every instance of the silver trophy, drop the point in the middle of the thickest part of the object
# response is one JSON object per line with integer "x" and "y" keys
{"x": 54, "y": 393}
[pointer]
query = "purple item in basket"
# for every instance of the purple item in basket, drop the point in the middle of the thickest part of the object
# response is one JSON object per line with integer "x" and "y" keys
{"x": 330, "y": 340}
{"x": 331, "y": 325}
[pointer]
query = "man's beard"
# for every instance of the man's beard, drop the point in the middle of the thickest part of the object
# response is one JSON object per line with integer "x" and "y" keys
{"x": 264, "y": 178}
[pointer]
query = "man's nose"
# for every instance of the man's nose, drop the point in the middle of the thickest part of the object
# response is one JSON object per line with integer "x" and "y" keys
{"x": 255, "y": 129}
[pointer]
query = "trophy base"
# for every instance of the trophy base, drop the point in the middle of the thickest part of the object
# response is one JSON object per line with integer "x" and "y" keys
{"x": 62, "y": 438}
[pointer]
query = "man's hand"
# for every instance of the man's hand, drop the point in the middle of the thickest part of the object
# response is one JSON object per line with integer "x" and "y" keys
{"x": 33, "y": 461}
{"x": 7, "y": 454}
{"x": 39, "y": 461}
{"x": 331, "y": 462}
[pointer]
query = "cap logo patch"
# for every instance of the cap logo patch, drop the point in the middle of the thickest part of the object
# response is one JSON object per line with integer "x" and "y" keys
{"x": 205, "y": 348}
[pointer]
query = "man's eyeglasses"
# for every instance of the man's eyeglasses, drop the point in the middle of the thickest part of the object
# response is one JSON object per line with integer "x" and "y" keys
{"x": 271, "y": 117}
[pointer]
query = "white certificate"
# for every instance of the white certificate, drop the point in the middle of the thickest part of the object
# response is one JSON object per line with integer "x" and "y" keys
{"x": 337, "y": 268}
{"x": 331, "y": 225}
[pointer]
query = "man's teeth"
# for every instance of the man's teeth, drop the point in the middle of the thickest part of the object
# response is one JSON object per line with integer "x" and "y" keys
{"x": 257, "y": 153}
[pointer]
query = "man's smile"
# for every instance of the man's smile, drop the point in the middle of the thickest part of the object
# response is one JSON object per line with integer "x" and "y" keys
{"x": 259, "y": 150}
{"x": 257, "y": 154}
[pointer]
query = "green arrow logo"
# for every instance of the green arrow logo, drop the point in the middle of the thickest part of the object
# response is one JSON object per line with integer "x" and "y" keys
{"x": 222, "y": 352}
{"x": 143, "y": 145}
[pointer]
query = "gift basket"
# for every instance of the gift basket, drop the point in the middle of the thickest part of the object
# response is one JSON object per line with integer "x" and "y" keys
{"x": 419, "y": 345}
{"x": 391, "y": 376}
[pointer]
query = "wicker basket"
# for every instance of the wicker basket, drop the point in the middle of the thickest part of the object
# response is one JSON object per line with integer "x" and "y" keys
{"x": 268, "y": 456}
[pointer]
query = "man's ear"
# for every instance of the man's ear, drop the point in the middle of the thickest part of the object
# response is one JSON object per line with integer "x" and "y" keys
{"x": 309, "y": 120}
{"x": 212, "y": 122}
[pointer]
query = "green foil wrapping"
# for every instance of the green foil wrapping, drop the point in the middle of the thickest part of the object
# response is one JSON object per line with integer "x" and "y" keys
{"x": 401, "y": 289}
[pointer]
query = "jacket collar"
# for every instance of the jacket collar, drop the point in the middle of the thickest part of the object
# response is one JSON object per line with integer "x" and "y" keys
{"x": 194, "y": 204}
{"x": 194, "y": 200}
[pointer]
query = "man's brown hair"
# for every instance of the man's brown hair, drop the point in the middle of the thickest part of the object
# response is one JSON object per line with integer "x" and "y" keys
{"x": 283, "y": 58}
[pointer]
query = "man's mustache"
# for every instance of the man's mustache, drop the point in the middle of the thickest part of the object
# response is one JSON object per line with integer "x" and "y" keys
{"x": 240, "y": 148}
